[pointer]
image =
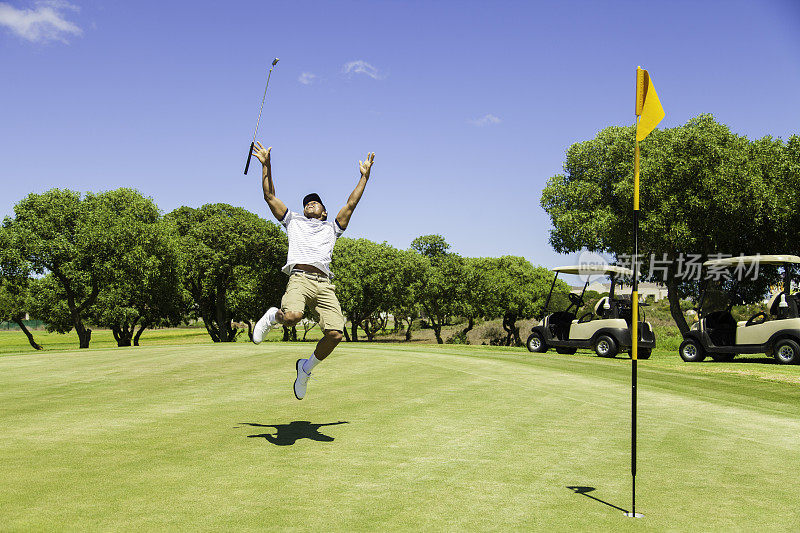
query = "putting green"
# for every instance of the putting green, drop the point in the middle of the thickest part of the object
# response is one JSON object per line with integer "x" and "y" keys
{"x": 391, "y": 437}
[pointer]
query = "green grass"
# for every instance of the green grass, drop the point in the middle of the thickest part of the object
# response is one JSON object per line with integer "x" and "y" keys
{"x": 436, "y": 438}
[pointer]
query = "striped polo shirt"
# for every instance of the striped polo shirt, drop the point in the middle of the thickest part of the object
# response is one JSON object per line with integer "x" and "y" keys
{"x": 311, "y": 241}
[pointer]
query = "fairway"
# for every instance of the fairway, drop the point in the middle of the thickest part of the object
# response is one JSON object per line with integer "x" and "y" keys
{"x": 391, "y": 437}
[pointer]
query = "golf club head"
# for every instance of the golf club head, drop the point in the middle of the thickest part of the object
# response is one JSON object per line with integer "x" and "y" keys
{"x": 275, "y": 61}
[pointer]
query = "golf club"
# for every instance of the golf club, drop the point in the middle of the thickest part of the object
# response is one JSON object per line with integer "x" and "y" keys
{"x": 253, "y": 142}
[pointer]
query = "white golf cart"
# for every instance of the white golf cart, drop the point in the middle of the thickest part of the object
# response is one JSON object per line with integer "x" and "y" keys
{"x": 606, "y": 329}
{"x": 775, "y": 332}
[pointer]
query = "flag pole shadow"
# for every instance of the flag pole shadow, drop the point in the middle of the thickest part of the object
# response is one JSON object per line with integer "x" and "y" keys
{"x": 586, "y": 490}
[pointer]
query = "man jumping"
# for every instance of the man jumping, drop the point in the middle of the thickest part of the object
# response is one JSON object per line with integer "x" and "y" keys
{"x": 311, "y": 240}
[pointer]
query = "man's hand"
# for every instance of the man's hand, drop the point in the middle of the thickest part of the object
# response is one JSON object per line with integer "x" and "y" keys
{"x": 262, "y": 154}
{"x": 366, "y": 165}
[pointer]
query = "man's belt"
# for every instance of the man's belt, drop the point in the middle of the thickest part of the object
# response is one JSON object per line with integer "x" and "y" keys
{"x": 311, "y": 275}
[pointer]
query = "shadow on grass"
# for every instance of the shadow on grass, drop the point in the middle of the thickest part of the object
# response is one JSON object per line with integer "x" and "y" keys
{"x": 288, "y": 434}
{"x": 586, "y": 490}
{"x": 740, "y": 359}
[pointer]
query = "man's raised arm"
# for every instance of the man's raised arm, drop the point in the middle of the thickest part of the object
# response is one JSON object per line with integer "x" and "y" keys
{"x": 277, "y": 207}
{"x": 343, "y": 218}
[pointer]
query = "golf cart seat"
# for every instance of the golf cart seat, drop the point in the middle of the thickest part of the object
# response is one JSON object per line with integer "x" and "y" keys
{"x": 721, "y": 328}
{"x": 624, "y": 308}
{"x": 606, "y": 308}
{"x": 559, "y": 323}
{"x": 781, "y": 307}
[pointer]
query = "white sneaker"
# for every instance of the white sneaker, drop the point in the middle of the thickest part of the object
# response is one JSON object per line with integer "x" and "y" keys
{"x": 301, "y": 382}
{"x": 264, "y": 324}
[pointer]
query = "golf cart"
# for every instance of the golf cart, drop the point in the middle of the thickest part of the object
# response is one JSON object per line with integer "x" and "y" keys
{"x": 775, "y": 332}
{"x": 606, "y": 329}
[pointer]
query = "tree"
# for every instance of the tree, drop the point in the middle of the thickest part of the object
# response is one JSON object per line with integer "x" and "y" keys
{"x": 404, "y": 288}
{"x": 232, "y": 260}
{"x": 442, "y": 290}
{"x": 143, "y": 289}
{"x": 703, "y": 192}
{"x": 364, "y": 273}
{"x": 55, "y": 234}
{"x": 14, "y": 285}
{"x": 257, "y": 287}
{"x": 431, "y": 246}
{"x": 476, "y": 300}
{"x": 778, "y": 162}
{"x": 516, "y": 289}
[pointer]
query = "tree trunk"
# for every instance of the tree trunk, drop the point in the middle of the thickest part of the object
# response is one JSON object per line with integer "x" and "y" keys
{"x": 124, "y": 341}
{"x": 18, "y": 320}
{"x": 226, "y": 333}
{"x": 84, "y": 335}
{"x": 675, "y": 305}
{"x": 346, "y": 335}
{"x": 306, "y": 329}
{"x": 470, "y": 325}
{"x": 437, "y": 328}
{"x": 509, "y": 325}
{"x": 249, "y": 330}
{"x": 143, "y": 327}
{"x": 209, "y": 324}
{"x": 354, "y": 334}
{"x": 378, "y": 324}
{"x": 75, "y": 310}
{"x": 408, "y": 331}
{"x": 122, "y": 334}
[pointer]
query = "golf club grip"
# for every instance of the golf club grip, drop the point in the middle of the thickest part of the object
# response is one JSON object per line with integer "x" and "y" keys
{"x": 249, "y": 155}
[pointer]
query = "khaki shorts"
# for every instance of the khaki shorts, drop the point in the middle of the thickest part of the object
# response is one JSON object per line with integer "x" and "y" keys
{"x": 303, "y": 291}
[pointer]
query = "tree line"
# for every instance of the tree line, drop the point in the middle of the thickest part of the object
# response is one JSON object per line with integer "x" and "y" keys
{"x": 112, "y": 260}
{"x": 705, "y": 190}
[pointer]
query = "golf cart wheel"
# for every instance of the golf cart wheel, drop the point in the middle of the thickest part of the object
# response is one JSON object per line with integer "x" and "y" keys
{"x": 787, "y": 352}
{"x": 722, "y": 357}
{"x": 536, "y": 343}
{"x": 605, "y": 346}
{"x": 691, "y": 351}
{"x": 644, "y": 353}
{"x": 568, "y": 351}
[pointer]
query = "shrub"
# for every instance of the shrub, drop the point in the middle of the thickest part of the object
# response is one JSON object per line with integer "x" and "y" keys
{"x": 458, "y": 337}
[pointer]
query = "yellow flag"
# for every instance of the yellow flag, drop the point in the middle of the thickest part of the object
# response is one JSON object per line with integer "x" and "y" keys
{"x": 648, "y": 106}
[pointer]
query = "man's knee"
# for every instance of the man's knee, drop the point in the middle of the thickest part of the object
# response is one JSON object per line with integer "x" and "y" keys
{"x": 291, "y": 318}
{"x": 333, "y": 335}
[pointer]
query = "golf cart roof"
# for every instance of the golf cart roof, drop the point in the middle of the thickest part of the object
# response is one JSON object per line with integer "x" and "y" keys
{"x": 750, "y": 259}
{"x": 595, "y": 270}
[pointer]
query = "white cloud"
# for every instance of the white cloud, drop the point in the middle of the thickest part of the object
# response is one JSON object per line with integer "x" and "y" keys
{"x": 306, "y": 78}
{"x": 46, "y": 22}
{"x": 362, "y": 67}
{"x": 485, "y": 120}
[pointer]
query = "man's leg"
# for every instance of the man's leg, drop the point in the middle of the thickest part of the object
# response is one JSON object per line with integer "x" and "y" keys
{"x": 291, "y": 312}
{"x": 327, "y": 343}
{"x": 332, "y": 323}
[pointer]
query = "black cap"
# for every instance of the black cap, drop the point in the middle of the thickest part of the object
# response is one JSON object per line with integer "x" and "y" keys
{"x": 313, "y": 197}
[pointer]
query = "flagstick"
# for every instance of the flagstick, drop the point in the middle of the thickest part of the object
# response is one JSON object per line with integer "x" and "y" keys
{"x": 635, "y": 326}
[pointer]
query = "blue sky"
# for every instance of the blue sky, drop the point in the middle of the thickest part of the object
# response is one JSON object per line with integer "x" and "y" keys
{"x": 469, "y": 106}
